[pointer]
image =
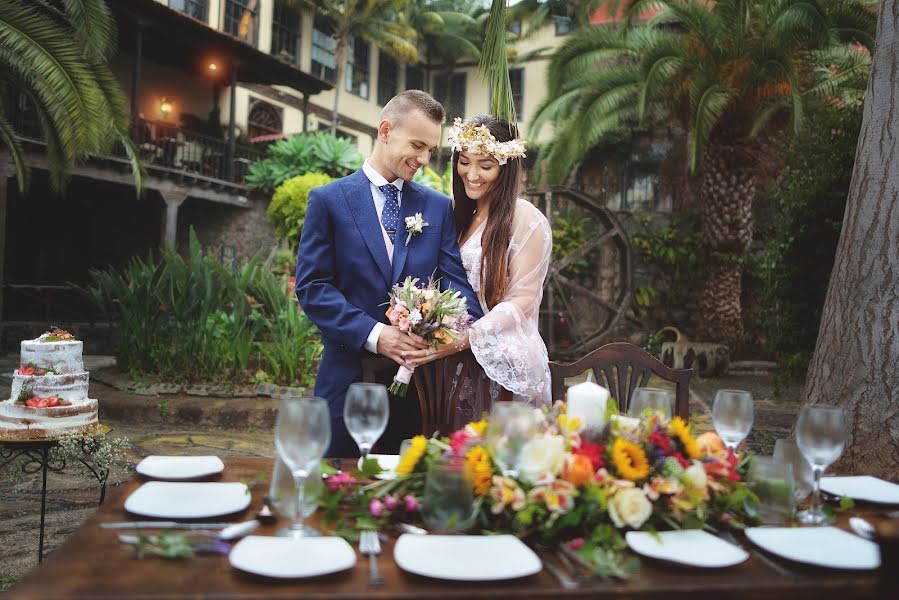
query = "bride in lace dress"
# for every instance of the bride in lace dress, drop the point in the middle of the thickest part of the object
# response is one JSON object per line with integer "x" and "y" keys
{"x": 505, "y": 243}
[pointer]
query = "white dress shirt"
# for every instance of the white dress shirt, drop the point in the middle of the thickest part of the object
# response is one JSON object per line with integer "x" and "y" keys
{"x": 375, "y": 180}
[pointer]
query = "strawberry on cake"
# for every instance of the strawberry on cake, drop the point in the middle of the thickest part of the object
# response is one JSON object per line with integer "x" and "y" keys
{"x": 49, "y": 390}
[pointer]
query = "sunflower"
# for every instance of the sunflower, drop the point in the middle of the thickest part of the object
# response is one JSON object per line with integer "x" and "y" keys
{"x": 412, "y": 455}
{"x": 477, "y": 466}
{"x": 679, "y": 429}
{"x": 629, "y": 460}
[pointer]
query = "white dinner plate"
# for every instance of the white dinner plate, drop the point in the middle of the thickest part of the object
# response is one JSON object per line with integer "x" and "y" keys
{"x": 466, "y": 557}
{"x": 692, "y": 547}
{"x": 187, "y": 500}
{"x": 862, "y": 487}
{"x": 387, "y": 462}
{"x": 289, "y": 558}
{"x": 819, "y": 546}
{"x": 176, "y": 468}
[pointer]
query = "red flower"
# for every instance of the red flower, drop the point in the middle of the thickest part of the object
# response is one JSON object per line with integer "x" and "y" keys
{"x": 594, "y": 452}
{"x": 457, "y": 442}
{"x": 26, "y": 370}
{"x": 162, "y": 308}
{"x": 660, "y": 441}
{"x": 684, "y": 463}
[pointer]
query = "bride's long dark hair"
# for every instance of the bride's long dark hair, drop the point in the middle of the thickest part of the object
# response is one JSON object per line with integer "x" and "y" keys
{"x": 498, "y": 229}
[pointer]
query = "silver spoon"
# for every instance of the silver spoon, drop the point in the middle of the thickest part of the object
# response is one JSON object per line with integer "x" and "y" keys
{"x": 862, "y": 528}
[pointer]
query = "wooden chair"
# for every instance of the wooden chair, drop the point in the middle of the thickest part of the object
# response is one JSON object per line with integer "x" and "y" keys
{"x": 621, "y": 367}
{"x": 438, "y": 397}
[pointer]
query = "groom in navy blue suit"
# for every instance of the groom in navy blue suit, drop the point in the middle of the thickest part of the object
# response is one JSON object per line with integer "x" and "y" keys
{"x": 355, "y": 247}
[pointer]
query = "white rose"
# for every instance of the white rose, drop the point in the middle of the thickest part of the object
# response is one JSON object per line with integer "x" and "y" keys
{"x": 541, "y": 455}
{"x": 629, "y": 507}
{"x": 695, "y": 476}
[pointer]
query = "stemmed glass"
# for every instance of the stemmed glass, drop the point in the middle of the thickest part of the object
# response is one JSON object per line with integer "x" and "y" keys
{"x": 302, "y": 435}
{"x": 732, "y": 416}
{"x": 365, "y": 414}
{"x": 512, "y": 424}
{"x": 655, "y": 399}
{"x": 786, "y": 451}
{"x": 820, "y": 436}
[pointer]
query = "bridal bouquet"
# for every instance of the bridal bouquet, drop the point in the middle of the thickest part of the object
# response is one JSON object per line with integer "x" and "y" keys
{"x": 567, "y": 486}
{"x": 440, "y": 317}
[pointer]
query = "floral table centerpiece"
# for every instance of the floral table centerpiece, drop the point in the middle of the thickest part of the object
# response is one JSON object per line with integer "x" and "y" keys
{"x": 582, "y": 488}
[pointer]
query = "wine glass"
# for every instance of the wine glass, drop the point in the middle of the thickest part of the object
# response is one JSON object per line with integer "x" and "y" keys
{"x": 820, "y": 436}
{"x": 512, "y": 424}
{"x": 732, "y": 416}
{"x": 283, "y": 492}
{"x": 365, "y": 414}
{"x": 655, "y": 399}
{"x": 302, "y": 434}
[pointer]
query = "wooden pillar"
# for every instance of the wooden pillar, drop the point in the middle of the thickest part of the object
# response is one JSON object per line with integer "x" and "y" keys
{"x": 232, "y": 133}
{"x": 173, "y": 200}
{"x": 305, "y": 112}
{"x": 6, "y": 172}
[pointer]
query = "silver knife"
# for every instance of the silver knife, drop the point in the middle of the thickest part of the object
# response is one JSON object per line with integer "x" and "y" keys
{"x": 162, "y": 525}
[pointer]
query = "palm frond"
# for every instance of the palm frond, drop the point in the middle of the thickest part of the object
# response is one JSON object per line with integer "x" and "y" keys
{"x": 494, "y": 65}
{"x": 709, "y": 108}
{"x": 16, "y": 153}
{"x": 94, "y": 27}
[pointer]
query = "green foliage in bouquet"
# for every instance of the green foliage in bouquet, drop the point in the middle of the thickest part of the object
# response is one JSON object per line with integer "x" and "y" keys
{"x": 196, "y": 320}
{"x": 287, "y": 210}
{"x": 302, "y": 154}
{"x": 578, "y": 489}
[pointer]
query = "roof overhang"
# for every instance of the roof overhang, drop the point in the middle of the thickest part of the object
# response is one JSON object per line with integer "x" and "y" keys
{"x": 175, "y": 39}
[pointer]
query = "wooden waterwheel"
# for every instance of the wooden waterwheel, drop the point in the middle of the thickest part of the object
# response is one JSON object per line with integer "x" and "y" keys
{"x": 588, "y": 287}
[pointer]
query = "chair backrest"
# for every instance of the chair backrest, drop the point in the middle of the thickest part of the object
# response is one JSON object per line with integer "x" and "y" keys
{"x": 621, "y": 367}
{"x": 435, "y": 384}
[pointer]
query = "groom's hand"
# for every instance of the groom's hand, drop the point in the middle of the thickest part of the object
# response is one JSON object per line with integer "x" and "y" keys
{"x": 392, "y": 343}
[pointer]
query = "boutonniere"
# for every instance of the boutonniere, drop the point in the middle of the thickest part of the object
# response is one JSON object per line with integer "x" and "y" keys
{"x": 414, "y": 226}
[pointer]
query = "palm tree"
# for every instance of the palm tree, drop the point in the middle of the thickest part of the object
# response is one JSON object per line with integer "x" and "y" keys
{"x": 730, "y": 73}
{"x": 371, "y": 21}
{"x": 447, "y": 30}
{"x": 53, "y": 64}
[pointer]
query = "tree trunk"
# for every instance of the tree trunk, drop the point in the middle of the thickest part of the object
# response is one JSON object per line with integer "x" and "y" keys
{"x": 340, "y": 54}
{"x": 856, "y": 360}
{"x": 727, "y": 188}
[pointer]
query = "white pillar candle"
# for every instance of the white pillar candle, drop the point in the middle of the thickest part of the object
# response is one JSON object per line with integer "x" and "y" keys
{"x": 588, "y": 401}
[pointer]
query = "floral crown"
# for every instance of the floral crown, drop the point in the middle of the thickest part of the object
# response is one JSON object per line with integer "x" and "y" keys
{"x": 478, "y": 139}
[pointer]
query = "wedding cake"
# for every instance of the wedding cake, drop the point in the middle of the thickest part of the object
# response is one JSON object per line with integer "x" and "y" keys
{"x": 49, "y": 390}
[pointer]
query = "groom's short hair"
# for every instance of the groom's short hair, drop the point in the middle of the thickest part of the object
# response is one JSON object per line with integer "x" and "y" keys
{"x": 400, "y": 105}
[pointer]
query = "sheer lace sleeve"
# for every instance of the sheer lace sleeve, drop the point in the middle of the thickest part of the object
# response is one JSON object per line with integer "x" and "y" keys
{"x": 506, "y": 341}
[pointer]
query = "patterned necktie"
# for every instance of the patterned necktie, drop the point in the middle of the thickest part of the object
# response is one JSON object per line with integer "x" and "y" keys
{"x": 391, "y": 213}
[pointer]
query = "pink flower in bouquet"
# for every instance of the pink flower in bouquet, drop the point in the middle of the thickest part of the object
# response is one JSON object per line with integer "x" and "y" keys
{"x": 557, "y": 496}
{"x": 410, "y": 503}
{"x": 405, "y": 324}
{"x": 376, "y": 507}
{"x": 339, "y": 480}
{"x": 390, "y": 502}
{"x": 506, "y": 492}
{"x": 458, "y": 441}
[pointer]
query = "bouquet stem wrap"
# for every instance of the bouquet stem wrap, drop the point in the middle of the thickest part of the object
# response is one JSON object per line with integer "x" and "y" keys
{"x": 400, "y": 385}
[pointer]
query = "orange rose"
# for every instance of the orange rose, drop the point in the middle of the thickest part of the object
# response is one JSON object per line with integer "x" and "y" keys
{"x": 578, "y": 470}
{"x": 710, "y": 444}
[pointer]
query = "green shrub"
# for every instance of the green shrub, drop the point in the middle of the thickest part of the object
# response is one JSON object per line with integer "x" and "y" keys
{"x": 287, "y": 210}
{"x": 302, "y": 154}
{"x": 807, "y": 203}
{"x": 189, "y": 320}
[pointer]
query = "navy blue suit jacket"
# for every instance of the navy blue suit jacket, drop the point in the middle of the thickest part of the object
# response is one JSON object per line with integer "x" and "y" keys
{"x": 344, "y": 273}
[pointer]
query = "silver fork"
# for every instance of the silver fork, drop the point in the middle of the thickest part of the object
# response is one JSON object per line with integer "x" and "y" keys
{"x": 370, "y": 545}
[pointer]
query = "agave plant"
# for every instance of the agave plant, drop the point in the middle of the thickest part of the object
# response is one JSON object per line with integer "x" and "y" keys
{"x": 53, "y": 64}
{"x": 729, "y": 72}
{"x": 302, "y": 154}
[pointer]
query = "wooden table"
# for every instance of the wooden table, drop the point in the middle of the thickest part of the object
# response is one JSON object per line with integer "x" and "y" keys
{"x": 92, "y": 563}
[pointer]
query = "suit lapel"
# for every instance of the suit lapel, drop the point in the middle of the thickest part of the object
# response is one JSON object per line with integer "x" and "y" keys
{"x": 357, "y": 192}
{"x": 412, "y": 203}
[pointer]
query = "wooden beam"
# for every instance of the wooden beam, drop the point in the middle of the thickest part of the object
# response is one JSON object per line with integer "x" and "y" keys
{"x": 7, "y": 171}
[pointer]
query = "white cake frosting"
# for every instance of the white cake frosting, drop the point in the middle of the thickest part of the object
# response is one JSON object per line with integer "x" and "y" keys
{"x": 67, "y": 382}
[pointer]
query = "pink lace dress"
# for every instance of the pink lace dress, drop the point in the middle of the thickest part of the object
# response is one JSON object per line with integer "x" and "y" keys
{"x": 506, "y": 341}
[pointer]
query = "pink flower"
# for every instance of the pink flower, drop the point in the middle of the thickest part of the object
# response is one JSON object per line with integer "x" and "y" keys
{"x": 375, "y": 507}
{"x": 576, "y": 543}
{"x": 339, "y": 480}
{"x": 458, "y": 439}
{"x": 411, "y": 504}
{"x": 404, "y": 324}
{"x": 390, "y": 502}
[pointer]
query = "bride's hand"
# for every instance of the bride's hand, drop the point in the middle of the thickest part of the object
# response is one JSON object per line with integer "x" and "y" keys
{"x": 415, "y": 358}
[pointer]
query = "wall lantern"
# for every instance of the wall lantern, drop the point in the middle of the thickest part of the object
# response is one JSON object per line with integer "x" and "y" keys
{"x": 165, "y": 107}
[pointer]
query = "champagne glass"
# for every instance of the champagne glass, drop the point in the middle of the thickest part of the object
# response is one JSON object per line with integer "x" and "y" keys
{"x": 732, "y": 416}
{"x": 365, "y": 414}
{"x": 654, "y": 399}
{"x": 820, "y": 436}
{"x": 302, "y": 434}
{"x": 512, "y": 424}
